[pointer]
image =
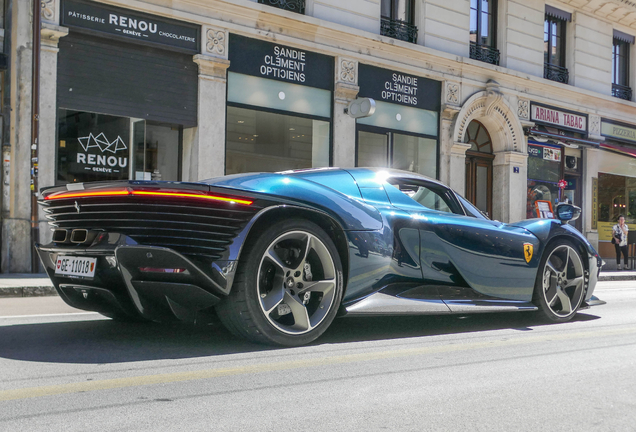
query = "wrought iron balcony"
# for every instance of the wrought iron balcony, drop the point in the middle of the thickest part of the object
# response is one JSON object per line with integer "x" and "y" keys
{"x": 290, "y": 5}
{"x": 397, "y": 29}
{"x": 556, "y": 73}
{"x": 484, "y": 53}
{"x": 622, "y": 92}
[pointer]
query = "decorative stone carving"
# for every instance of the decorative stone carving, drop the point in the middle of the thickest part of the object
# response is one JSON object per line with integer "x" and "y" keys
{"x": 51, "y": 35}
{"x": 452, "y": 93}
{"x": 49, "y": 10}
{"x": 216, "y": 42}
{"x": 523, "y": 109}
{"x": 493, "y": 96}
{"x": 347, "y": 71}
{"x": 595, "y": 125}
{"x": 493, "y": 110}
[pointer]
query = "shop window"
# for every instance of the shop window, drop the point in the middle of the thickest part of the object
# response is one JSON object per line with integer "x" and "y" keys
{"x": 378, "y": 148}
{"x": 620, "y": 69}
{"x": 483, "y": 27}
{"x": 544, "y": 173}
{"x": 616, "y": 196}
{"x": 554, "y": 45}
{"x": 397, "y": 20}
{"x": 261, "y": 141}
{"x": 94, "y": 147}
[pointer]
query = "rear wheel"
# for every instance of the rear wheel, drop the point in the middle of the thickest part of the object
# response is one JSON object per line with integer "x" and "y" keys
{"x": 560, "y": 284}
{"x": 288, "y": 286}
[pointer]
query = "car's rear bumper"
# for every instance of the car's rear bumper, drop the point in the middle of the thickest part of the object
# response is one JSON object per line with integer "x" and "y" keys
{"x": 120, "y": 287}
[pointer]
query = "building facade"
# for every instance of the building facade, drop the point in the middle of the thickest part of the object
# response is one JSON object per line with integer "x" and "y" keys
{"x": 516, "y": 105}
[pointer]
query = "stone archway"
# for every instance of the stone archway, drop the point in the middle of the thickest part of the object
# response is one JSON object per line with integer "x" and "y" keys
{"x": 492, "y": 110}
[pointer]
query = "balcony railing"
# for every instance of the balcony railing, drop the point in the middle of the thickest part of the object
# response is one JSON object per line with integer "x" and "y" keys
{"x": 622, "y": 92}
{"x": 397, "y": 29}
{"x": 556, "y": 73}
{"x": 484, "y": 53}
{"x": 290, "y": 5}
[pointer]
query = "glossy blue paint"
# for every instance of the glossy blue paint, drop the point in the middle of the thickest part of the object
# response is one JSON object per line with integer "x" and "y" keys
{"x": 351, "y": 214}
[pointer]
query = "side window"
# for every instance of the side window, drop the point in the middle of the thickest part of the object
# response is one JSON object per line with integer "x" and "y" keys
{"x": 431, "y": 196}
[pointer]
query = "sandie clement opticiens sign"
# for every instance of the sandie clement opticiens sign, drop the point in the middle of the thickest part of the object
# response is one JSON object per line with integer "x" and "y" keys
{"x": 279, "y": 62}
{"x": 96, "y": 17}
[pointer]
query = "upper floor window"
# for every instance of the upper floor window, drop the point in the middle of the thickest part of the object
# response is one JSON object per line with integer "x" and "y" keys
{"x": 483, "y": 27}
{"x": 397, "y": 20}
{"x": 290, "y": 5}
{"x": 620, "y": 65}
{"x": 554, "y": 44}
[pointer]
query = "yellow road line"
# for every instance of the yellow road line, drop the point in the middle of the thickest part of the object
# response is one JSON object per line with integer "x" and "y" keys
{"x": 88, "y": 386}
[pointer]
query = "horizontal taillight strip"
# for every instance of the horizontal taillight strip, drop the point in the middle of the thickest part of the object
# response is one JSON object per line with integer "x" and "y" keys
{"x": 107, "y": 193}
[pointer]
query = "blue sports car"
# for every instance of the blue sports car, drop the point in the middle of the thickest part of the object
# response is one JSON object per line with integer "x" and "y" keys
{"x": 277, "y": 256}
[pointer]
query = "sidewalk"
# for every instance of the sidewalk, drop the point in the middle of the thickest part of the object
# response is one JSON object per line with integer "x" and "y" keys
{"x": 39, "y": 285}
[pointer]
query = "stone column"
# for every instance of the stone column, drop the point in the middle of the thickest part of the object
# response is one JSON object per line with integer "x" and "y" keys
{"x": 591, "y": 157}
{"x": 457, "y": 167}
{"x": 451, "y": 154}
{"x": 51, "y": 35}
{"x": 510, "y": 174}
{"x": 204, "y": 146}
{"x": 344, "y": 127}
{"x": 16, "y": 205}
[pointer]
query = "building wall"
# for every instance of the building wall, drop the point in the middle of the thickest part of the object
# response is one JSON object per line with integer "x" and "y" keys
{"x": 350, "y": 32}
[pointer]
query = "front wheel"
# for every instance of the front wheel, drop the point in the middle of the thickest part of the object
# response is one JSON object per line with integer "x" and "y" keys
{"x": 560, "y": 284}
{"x": 288, "y": 286}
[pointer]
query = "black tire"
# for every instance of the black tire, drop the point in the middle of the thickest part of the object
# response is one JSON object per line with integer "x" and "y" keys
{"x": 560, "y": 285}
{"x": 284, "y": 293}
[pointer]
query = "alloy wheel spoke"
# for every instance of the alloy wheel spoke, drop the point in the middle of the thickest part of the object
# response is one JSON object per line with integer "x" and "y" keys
{"x": 551, "y": 292}
{"x": 308, "y": 246}
{"x": 566, "y": 262}
{"x": 566, "y": 303}
{"x": 273, "y": 299}
{"x": 551, "y": 268}
{"x": 299, "y": 311}
{"x": 271, "y": 255}
{"x": 323, "y": 286}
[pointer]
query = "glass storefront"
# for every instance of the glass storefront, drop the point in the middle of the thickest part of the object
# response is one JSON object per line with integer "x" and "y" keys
{"x": 544, "y": 173}
{"x": 279, "y": 102}
{"x": 395, "y": 150}
{"x": 94, "y": 147}
{"x": 261, "y": 141}
{"x": 616, "y": 196}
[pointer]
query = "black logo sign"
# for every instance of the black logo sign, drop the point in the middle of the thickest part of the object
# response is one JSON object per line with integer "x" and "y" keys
{"x": 129, "y": 24}
{"x": 396, "y": 87}
{"x": 278, "y": 62}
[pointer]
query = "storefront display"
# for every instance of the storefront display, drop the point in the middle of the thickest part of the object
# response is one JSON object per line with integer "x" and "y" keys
{"x": 616, "y": 194}
{"x": 127, "y": 86}
{"x": 403, "y": 131}
{"x": 555, "y": 150}
{"x": 278, "y": 107}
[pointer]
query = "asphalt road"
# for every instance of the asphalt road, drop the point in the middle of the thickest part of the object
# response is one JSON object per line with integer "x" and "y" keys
{"x": 64, "y": 371}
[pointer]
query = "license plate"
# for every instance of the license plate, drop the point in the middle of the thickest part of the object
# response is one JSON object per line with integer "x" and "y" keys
{"x": 75, "y": 266}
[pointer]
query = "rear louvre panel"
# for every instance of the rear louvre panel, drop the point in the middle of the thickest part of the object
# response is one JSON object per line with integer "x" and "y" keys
{"x": 192, "y": 227}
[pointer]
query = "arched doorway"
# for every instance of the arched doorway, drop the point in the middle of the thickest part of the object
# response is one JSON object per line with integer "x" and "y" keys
{"x": 479, "y": 166}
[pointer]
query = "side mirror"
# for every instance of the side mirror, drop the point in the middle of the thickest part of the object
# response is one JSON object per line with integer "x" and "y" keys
{"x": 567, "y": 212}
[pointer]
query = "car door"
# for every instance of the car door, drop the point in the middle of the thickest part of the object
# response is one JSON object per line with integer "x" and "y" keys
{"x": 459, "y": 248}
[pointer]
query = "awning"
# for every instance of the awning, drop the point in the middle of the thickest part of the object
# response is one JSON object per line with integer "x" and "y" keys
{"x": 623, "y": 37}
{"x": 560, "y": 139}
{"x": 629, "y": 151}
{"x": 557, "y": 13}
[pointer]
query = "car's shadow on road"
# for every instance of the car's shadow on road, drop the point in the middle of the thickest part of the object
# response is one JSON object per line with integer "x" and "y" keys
{"x": 106, "y": 341}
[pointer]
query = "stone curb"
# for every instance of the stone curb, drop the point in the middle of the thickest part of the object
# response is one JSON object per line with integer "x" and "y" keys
{"x": 27, "y": 291}
{"x": 617, "y": 276}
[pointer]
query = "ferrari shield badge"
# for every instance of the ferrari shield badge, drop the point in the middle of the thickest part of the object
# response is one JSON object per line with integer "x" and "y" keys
{"x": 527, "y": 251}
